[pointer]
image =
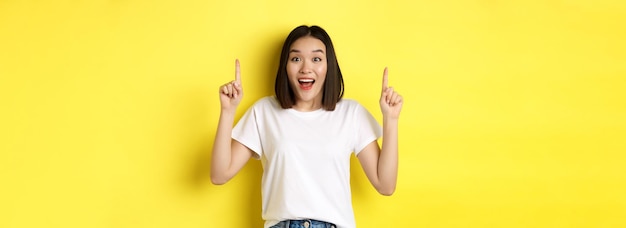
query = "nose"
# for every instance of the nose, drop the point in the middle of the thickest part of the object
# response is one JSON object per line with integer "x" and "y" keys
{"x": 305, "y": 67}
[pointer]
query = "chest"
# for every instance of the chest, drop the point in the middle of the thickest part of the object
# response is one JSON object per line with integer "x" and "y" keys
{"x": 323, "y": 137}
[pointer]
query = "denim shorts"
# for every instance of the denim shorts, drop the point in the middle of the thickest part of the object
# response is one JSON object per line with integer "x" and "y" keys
{"x": 307, "y": 223}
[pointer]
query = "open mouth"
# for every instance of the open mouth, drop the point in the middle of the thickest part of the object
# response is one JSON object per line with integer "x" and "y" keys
{"x": 306, "y": 83}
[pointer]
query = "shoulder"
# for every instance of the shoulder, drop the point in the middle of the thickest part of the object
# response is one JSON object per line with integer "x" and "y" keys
{"x": 353, "y": 107}
{"x": 348, "y": 104}
{"x": 266, "y": 103}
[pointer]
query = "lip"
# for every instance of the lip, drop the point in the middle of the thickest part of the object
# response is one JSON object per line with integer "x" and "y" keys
{"x": 306, "y": 83}
{"x": 303, "y": 87}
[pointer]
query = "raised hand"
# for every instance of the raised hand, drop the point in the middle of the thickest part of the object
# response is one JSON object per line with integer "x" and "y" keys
{"x": 390, "y": 100}
{"x": 232, "y": 92}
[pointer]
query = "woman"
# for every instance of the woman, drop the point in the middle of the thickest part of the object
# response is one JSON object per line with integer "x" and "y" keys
{"x": 304, "y": 137}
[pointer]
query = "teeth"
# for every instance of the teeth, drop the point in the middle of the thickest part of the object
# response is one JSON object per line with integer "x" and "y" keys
{"x": 305, "y": 80}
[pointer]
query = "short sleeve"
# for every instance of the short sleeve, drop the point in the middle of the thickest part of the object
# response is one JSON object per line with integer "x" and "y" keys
{"x": 246, "y": 132}
{"x": 368, "y": 129}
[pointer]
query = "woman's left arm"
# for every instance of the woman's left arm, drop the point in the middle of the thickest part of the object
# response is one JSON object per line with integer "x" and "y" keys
{"x": 381, "y": 165}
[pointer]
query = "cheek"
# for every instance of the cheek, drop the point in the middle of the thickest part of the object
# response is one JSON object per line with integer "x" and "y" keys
{"x": 321, "y": 71}
{"x": 291, "y": 70}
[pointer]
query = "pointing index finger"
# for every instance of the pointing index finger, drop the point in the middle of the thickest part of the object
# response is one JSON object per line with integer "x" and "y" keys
{"x": 385, "y": 78}
{"x": 237, "y": 71}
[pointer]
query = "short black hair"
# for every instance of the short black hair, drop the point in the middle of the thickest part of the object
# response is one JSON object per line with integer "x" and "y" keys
{"x": 333, "y": 85}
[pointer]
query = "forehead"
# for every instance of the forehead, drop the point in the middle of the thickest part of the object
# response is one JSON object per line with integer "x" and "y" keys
{"x": 308, "y": 43}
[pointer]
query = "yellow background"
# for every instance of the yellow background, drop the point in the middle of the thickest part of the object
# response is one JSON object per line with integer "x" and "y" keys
{"x": 514, "y": 116}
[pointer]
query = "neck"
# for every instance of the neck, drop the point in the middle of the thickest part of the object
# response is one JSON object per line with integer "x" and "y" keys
{"x": 308, "y": 106}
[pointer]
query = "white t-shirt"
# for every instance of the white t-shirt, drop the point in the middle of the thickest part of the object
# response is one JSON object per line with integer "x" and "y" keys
{"x": 306, "y": 158}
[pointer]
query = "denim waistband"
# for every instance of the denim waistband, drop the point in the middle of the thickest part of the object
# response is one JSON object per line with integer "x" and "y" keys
{"x": 306, "y": 223}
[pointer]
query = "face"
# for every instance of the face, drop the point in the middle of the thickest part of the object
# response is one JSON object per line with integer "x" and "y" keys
{"x": 306, "y": 69}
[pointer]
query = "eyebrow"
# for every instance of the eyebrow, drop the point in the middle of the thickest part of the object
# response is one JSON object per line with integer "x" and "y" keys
{"x": 298, "y": 51}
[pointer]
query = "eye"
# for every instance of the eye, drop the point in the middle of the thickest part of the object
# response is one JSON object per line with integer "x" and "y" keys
{"x": 295, "y": 59}
{"x": 317, "y": 59}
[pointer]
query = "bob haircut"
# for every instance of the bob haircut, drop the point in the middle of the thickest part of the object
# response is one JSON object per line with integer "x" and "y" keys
{"x": 332, "y": 91}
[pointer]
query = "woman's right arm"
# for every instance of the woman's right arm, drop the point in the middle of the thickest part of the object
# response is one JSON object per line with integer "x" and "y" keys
{"x": 228, "y": 156}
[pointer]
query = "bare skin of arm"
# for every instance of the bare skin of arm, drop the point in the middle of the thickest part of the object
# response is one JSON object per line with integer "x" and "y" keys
{"x": 228, "y": 156}
{"x": 381, "y": 165}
